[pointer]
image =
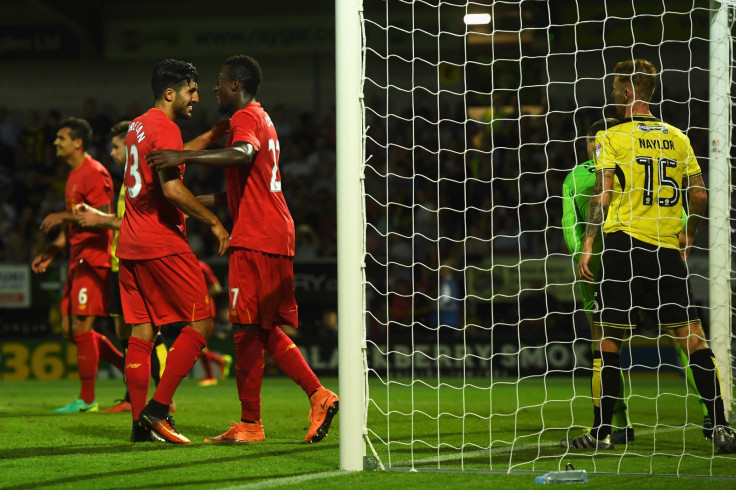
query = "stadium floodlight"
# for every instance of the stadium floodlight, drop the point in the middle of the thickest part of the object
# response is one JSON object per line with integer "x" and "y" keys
{"x": 477, "y": 19}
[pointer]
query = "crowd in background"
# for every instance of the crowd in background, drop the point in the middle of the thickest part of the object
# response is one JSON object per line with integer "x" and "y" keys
{"x": 444, "y": 194}
{"x": 32, "y": 180}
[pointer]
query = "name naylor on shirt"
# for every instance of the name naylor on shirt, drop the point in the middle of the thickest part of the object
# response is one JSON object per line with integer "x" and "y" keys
{"x": 656, "y": 144}
{"x": 137, "y": 127}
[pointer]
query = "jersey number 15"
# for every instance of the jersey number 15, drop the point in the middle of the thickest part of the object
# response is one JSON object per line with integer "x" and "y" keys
{"x": 664, "y": 181}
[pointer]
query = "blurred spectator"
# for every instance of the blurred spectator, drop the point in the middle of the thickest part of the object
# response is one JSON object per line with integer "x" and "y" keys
{"x": 449, "y": 301}
{"x": 131, "y": 112}
{"x": 307, "y": 242}
{"x": 101, "y": 125}
{"x": 31, "y": 141}
{"x": 8, "y": 140}
{"x": 321, "y": 156}
{"x": 50, "y": 126}
{"x": 283, "y": 127}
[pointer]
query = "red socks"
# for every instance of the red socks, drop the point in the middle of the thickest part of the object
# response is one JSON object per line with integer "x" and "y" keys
{"x": 288, "y": 357}
{"x": 207, "y": 359}
{"x": 249, "y": 373}
{"x": 249, "y": 363}
{"x": 138, "y": 373}
{"x": 182, "y": 356}
{"x": 87, "y": 358}
{"x": 108, "y": 352}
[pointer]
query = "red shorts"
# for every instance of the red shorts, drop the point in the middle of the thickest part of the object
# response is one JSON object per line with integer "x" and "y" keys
{"x": 86, "y": 291}
{"x": 164, "y": 290}
{"x": 261, "y": 289}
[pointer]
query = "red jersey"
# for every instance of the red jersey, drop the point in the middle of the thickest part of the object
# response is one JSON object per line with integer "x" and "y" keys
{"x": 89, "y": 183}
{"x": 152, "y": 226}
{"x": 261, "y": 220}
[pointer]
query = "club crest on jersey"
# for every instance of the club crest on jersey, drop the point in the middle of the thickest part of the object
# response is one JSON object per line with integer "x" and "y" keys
{"x": 598, "y": 149}
{"x": 645, "y": 128}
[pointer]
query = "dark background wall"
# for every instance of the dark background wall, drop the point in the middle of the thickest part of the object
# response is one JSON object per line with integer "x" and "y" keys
{"x": 56, "y": 54}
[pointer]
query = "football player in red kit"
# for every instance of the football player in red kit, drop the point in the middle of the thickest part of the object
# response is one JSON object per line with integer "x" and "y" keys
{"x": 160, "y": 278}
{"x": 261, "y": 274}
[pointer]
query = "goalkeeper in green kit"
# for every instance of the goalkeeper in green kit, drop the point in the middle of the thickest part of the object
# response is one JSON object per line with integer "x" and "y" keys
{"x": 577, "y": 190}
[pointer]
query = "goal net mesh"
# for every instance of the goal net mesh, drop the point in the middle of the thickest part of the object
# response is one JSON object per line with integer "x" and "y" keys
{"x": 478, "y": 350}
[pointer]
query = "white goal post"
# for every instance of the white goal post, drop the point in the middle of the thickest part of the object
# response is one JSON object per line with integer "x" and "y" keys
{"x": 452, "y": 143}
{"x": 720, "y": 193}
{"x": 350, "y": 232}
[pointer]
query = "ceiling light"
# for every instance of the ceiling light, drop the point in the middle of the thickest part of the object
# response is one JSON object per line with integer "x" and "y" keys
{"x": 477, "y": 19}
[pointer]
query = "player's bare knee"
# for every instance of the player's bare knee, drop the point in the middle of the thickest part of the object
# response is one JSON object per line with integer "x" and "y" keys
{"x": 143, "y": 331}
{"x": 612, "y": 338}
{"x": 695, "y": 344}
{"x": 66, "y": 329}
{"x": 82, "y": 324}
{"x": 203, "y": 327}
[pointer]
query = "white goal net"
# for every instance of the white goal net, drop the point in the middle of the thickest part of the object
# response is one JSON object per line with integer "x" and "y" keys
{"x": 476, "y": 348}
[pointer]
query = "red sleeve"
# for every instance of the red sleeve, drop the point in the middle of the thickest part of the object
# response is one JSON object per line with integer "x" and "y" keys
{"x": 243, "y": 127}
{"x": 98, "y": 189}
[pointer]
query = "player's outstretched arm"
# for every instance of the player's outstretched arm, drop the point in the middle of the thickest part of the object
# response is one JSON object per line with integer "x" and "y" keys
{"x": 42, "y": 261}
{"x": 208, "y": 137}
{"x": 181, "y": 197}
{"x": 239, "y": 154}
{"x": 90, "y": 217}
{"x": 55, "y": 219}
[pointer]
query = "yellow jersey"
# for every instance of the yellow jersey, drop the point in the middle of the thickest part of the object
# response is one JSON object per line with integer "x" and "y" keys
{"x": 119, "y": 211}
{"x": 650, "y": 160}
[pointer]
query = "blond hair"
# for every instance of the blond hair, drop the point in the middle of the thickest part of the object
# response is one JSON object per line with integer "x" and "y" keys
{"x": 641, "y": 74}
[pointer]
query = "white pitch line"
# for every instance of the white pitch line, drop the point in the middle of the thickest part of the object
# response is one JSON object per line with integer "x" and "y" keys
{"x": 288, "y": 480}
{"x": 295, "y": 480}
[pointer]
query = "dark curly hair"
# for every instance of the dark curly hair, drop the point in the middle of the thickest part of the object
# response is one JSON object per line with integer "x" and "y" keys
{"x": 171, "y": 74}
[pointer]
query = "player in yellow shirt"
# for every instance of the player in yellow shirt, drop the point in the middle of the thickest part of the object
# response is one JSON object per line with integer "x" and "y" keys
{"x": 644, "y": 167}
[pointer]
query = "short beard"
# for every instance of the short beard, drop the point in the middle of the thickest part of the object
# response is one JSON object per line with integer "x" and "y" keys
{"x": 183, "y": 113}
{"x": 223, "y": 110}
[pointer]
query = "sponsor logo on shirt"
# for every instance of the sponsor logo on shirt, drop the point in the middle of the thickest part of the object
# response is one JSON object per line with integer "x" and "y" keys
{"x": 653, "y": 127}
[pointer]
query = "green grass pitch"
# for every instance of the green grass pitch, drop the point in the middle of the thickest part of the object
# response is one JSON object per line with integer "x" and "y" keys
{"x": 39, "y": 449}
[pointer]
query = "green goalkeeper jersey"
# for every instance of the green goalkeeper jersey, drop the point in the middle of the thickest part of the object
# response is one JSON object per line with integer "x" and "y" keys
{"x": 577, "y": 189}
